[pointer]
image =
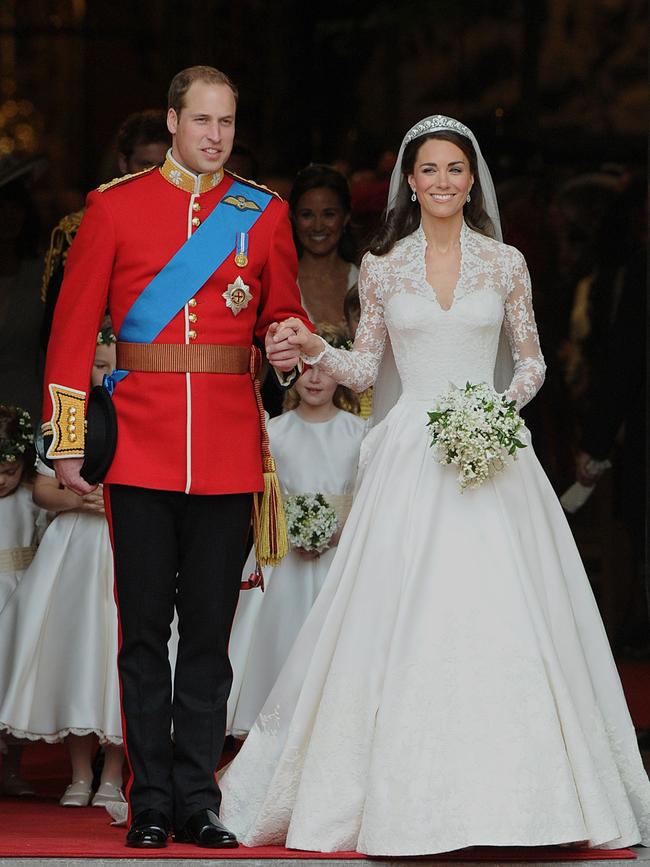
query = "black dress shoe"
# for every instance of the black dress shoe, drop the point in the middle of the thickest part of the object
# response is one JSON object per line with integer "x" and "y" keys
{"x": 149, "y": 830}
{"x": 205, "y": 829}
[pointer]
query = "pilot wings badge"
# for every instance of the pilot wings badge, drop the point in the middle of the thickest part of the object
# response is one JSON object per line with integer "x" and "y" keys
{"x": 237, "y": 296}
{"x": 241, "y": 203}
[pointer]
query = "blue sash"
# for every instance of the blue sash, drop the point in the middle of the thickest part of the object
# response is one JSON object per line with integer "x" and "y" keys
{"x": 190, "y": 267}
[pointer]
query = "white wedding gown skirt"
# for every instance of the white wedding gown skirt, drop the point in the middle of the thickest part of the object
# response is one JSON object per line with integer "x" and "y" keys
{"x": 453, "y": 685}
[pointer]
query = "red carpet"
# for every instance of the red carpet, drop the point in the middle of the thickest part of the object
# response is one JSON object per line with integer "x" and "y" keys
{"x": 77, "y": 833}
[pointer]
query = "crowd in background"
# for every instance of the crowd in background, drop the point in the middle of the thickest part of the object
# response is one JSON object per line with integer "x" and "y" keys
{"x": 583, "y": 236}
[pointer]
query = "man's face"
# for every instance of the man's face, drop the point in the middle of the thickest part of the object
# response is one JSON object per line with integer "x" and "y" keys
{"x": 143, "y": 157}
{"x": 204, "y": 130}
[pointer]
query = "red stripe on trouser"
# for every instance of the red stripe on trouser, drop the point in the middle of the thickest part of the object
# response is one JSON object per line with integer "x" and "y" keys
{"x": 109, "y": 518}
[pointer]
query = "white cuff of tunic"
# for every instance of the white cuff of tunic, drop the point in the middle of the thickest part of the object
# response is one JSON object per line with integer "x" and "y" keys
{"x": 288, "y": 378}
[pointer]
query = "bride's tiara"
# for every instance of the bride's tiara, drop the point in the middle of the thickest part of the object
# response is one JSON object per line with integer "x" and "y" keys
{"x": 435, "y": 123}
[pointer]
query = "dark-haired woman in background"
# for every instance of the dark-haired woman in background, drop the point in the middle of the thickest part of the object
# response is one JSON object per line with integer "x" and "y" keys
{"x": 320, "y": 212}
{"x": 452, "y": 685}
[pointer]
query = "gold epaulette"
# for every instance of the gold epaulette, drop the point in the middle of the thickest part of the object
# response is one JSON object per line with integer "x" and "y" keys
{"x": 60, "y": 241}
{"x": 255, "y": 184}
{"x": 123, "y": 178}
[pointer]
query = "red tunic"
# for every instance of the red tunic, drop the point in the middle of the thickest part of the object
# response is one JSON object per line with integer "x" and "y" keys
{"x": 198, "y": 433}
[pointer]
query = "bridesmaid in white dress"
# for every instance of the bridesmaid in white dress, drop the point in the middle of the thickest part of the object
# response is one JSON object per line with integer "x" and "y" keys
{"x": 22, "y": 524}
{"x": 58, "y": 636}
{"x": 316, "y": 449}
{"x": 453, "y": 685}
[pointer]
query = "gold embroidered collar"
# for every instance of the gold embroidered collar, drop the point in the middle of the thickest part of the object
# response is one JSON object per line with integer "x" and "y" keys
{"x": 177, "y": 175}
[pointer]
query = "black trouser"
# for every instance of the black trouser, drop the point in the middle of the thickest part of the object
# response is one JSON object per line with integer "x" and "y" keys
{"x": 185, "y": 550}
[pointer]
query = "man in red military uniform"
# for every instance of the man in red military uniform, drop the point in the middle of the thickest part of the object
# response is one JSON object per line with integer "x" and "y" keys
{"x": 192, "y": 264}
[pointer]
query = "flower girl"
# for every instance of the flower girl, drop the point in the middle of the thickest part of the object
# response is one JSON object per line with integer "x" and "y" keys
{"x": 22, "y": 523}
{"x": 316, "y": 448}
{"x": 59, "y": 634}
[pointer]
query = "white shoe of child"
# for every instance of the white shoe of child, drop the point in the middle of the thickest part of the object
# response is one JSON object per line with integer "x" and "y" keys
{"x": 77, "y": 794}
{"x": 106, "y": 794}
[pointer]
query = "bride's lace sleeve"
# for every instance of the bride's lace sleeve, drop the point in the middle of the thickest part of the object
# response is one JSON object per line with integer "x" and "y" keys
{"x": 357, "y": 368}
{"x": 521, "y": 331}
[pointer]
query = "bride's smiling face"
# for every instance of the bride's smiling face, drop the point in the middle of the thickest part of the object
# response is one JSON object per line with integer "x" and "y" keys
{"x": 441, "y": 178}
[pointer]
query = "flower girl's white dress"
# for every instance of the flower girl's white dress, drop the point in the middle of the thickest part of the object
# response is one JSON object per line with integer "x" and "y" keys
{"x": 59, "y": 636}
{"x": 453, "y": 685}
{"x": 22, "y": 524}
{"x": 311, "y": 457}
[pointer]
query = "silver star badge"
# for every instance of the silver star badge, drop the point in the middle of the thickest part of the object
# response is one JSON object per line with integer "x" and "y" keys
{"x": 237, "y": 296}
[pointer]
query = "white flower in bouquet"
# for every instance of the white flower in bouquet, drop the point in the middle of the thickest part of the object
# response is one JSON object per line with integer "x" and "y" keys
{"x": 475, "y": 429}
{"x": 311, "y": 521}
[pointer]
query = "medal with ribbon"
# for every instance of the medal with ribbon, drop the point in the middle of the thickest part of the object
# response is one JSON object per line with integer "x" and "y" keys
{"x": 241, "y": 249}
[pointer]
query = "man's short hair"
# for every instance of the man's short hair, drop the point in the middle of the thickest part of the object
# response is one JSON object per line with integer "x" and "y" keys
{"x": 142, "y": 128}
{"x": 182, "y": 81}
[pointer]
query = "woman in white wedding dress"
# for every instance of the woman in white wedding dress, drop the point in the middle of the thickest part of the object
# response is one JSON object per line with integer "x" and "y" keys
{"x": 453, "y": 685}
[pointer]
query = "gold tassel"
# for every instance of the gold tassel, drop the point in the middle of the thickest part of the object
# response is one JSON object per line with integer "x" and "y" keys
{"x": 269, "y": 521}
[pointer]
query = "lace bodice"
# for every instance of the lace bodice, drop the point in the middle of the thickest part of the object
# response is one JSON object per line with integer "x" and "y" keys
{"x": 434, "y": 347}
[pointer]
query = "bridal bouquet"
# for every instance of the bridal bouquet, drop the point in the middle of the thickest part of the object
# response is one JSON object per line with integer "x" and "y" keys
{"x": 476, "y": 429}
{"x": 311, "y": 521}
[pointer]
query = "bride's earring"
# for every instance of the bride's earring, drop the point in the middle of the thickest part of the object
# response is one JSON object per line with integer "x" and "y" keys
{"x": 414, "y": 198}
{"x": 469, "y": 198}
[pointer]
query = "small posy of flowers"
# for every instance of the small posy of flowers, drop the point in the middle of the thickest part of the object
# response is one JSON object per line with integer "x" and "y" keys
{"x": 12, "y": 450}
{"x": 475, "y": 429}
{"x": 311, "y": 521}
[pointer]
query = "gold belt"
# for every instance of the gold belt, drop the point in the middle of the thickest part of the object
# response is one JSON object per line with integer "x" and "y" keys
{"x": 16, "y": 559}
{"x": 183, "y": 357}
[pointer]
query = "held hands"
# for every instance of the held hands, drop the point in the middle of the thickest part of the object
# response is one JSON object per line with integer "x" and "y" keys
{"x": 93, "y": 502}
{"x": 287, "y": 340}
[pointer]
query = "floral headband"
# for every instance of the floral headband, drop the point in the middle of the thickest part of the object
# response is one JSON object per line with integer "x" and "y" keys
{"x": 13, "y": 450}
{"x": 106, "y": 337}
